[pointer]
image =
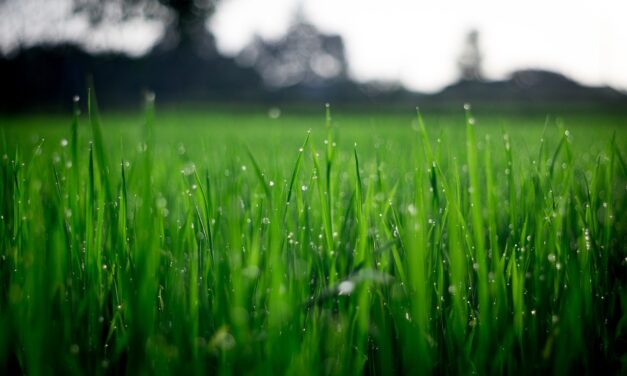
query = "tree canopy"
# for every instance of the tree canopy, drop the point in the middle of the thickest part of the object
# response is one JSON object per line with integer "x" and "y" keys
{"x": 185, "y": 20}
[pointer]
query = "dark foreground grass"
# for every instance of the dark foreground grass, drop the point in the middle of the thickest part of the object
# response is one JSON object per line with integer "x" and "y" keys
{"x": 209, "y": 243}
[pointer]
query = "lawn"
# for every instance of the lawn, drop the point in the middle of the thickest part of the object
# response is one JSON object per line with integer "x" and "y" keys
{"x": 316, "y": 242}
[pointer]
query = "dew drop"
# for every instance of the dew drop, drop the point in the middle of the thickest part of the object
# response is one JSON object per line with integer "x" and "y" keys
{"x": 346, "y": 288}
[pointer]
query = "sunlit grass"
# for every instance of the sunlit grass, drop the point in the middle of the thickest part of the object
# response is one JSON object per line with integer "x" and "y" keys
{"x": 238, "y": 244}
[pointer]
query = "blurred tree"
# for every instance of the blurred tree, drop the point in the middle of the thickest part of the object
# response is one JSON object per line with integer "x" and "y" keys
{"x": 470, "y": 60}
{"x": 303, "y": 56}
{"x": 185, "y": 20}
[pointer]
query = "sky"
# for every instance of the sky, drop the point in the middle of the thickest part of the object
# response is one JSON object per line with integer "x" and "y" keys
{"x": 415, "y": 42}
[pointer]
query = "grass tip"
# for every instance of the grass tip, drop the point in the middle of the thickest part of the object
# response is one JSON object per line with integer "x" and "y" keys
{"x": 150, "y": 96}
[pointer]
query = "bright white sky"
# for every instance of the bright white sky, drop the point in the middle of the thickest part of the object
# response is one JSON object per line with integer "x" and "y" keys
{"x": 414, "y": 41}
{"x": 418, "y": 42}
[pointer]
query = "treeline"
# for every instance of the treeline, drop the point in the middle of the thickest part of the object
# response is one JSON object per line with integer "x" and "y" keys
{"x": 47, "y": 77}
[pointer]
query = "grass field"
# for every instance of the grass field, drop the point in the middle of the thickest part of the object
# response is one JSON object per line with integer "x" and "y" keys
{"x": 202, "y": 242}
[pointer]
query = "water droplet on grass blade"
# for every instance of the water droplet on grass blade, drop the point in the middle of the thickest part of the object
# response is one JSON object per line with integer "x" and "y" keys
{"x": 188, "y": 168}
{"x": 274, "y": 113}
{"x": 346, "y": 288}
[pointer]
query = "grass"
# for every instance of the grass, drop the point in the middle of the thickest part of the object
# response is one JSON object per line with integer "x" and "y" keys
{"x": 209, "y": 242}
